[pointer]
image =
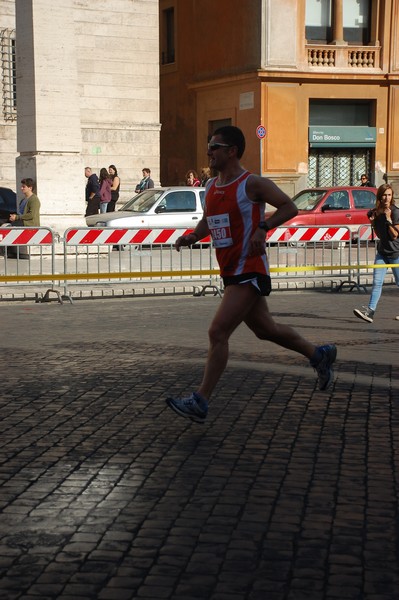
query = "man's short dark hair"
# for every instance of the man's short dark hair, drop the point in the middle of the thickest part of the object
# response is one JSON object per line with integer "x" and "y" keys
{"x": 233, "y": 136}
{"x": 29, "y": 182}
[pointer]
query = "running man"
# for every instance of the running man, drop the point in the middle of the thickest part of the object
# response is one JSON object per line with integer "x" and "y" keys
{"x": 234, "y": 216}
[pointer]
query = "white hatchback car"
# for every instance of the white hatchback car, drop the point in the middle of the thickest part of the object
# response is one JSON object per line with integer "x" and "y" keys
{"x": 156, "y": 208}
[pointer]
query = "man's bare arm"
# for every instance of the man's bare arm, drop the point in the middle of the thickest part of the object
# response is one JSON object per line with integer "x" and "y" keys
{"x": 199, "y": 233}
{"x": 261, "y": 189}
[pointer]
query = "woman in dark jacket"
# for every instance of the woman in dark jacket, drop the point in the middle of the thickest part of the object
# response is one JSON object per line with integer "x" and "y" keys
{"x": 116, "y": 184}
{"x": 105, "y": 190}
{"x": 384, "y": 219}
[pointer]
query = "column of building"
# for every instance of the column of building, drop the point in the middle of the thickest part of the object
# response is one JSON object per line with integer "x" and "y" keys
{"x": 48, "y": 127}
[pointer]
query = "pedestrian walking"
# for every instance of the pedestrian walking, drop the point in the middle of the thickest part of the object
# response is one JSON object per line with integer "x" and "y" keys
{"x": 384, "y": 219}
{"x": 93, "y": 197}
{"x": 105, "y": 189}
{"x": 192, "y": 178}
{"x": 235, "y": 205}
{"x": 365, "y": 182}
{"x": 146, "y": 182}
{"x": 205, "y": 175}
{"x": 115, "y": 187}
{"x": 28, "y": 215}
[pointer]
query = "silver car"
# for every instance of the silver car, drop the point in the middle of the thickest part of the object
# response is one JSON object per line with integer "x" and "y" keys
{"x": 156, "y": 208}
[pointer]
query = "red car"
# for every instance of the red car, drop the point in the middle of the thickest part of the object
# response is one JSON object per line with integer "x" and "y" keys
{"x": 346, "y": 206}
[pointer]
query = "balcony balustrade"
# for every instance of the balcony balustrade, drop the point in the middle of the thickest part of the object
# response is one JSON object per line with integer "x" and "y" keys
{"x": 343, "y": 57}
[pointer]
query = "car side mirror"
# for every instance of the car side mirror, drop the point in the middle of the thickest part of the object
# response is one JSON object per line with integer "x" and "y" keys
{"x": 160, "y": 209}
{"x": 325, "y": 207}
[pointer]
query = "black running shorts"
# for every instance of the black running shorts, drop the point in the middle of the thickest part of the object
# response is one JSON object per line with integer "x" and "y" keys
{"x": 262, "y": 283}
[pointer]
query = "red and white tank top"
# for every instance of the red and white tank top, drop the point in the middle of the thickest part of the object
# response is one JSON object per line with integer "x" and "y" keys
{"x": 232, "y": 219}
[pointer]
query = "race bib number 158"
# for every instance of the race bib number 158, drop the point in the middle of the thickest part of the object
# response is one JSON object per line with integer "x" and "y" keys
{"x": 219, "y": 226}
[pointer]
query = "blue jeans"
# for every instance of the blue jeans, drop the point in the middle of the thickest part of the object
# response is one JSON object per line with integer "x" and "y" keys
{"x": 103, "y": 207}
{"x": 378, "y": 278}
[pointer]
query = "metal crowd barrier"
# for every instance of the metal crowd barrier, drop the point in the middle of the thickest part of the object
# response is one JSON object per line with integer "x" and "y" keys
{"x": 367, "y": 241}
{"x": 127, "y": 259}
{"x": 129, "y": 256}
{"x": 322, "y": 255}
{"x": 28, "y": 258}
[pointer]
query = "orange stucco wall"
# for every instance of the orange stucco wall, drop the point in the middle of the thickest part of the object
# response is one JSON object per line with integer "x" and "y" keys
{"x": 393, "y": 154}
{"x": 285, "y": 112}
{"x": 223, "y": 102}
{"x": 281, "y": 118}
{"x": 213, "y": 40}
{"x": 219, "y": 58}
{"x": 283, "y": 108}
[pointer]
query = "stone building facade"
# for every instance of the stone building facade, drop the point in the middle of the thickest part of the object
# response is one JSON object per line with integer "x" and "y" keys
{"x": 320, "y": 76}
{"x": 80, "y": 87}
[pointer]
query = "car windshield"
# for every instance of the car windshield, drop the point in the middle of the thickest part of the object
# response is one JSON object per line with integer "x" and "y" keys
{"x": 308, "y": 199}
{"x": 143, "y": 201}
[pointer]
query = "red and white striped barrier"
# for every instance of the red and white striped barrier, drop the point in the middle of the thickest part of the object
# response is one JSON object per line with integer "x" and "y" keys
{"x": 366, "y": 233}
{"x": 309, "y": 234}
{"x": 25, "y": 236}
{"x": 88, "y": 236}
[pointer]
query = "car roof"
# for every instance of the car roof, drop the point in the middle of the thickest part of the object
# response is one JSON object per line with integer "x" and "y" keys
{"x": 8, "y": 202}
{"x": 174, "y": 188}
{"x": 338, "y": 188}
{"x": 6, "y": 189}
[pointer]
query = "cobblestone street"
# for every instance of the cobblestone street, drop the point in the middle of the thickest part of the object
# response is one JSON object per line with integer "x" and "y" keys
{"x": 285, "y": 493}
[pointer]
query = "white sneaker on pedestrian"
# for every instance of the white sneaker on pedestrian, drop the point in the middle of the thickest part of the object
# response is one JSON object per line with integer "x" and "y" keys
{"x": 367, "y": 314}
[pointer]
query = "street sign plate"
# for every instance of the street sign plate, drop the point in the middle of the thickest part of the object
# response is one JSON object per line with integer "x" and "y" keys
{"x": 260, "y": 132}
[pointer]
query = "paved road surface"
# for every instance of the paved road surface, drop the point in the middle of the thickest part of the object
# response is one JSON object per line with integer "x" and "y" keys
{"x": 286, "y": 493}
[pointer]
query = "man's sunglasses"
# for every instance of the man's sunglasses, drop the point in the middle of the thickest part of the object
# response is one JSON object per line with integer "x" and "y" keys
{"x": 216, "y": 146}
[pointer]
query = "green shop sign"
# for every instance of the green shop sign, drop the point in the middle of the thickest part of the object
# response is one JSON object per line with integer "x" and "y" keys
{"x": 342, "y": 137}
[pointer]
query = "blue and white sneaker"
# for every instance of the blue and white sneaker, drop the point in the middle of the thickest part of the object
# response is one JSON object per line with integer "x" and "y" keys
{"x": 323, "y": 366}
{"x": 194, "y": 407}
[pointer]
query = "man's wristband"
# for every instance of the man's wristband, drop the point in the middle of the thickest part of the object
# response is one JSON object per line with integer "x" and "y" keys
{"x": 264, "y": 225}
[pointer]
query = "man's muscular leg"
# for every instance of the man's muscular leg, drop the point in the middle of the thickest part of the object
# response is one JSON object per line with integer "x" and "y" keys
{"x": 261, "y": 322}
{"x": 237, "y": 303}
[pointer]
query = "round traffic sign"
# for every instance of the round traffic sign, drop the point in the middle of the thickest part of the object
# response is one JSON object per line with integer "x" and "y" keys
{"x": 260, "y": 132}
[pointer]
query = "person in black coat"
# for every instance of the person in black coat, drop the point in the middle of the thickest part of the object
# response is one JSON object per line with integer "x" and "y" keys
{"x": 92, "y": 193}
